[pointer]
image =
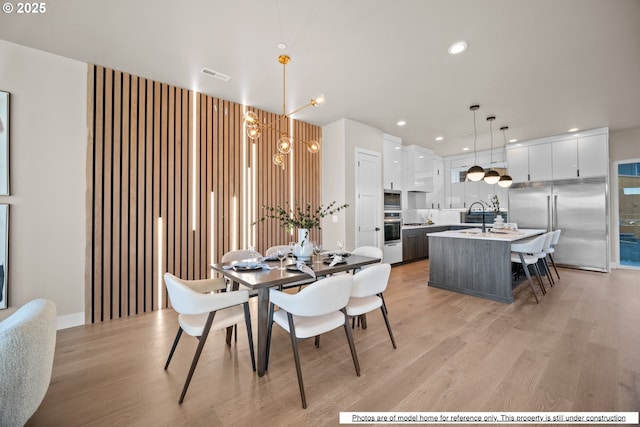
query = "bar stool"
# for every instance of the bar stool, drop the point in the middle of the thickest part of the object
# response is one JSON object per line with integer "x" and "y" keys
{"x": 521, "y": 252}
{"x": 542, "y": 255}
{"x": 551, "y": 250}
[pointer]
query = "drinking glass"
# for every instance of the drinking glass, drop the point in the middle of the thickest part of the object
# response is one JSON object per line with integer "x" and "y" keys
{"x": 340, "y": 246}
{"x": 282, "y": 254}
{"x": 292, "y": 247}
{"x": 317, "y": 249}
{"x": 252, "y": 251}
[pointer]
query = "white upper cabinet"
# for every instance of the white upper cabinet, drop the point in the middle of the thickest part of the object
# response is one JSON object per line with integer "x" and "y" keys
{"x": 419, "y": 169}
{"x": 435, "y": 199}
{"x": 392, "y": 163}
{"x": 530, "y": 163}
{"x": 561, "y": 157}
{"x": 593, "y": 156}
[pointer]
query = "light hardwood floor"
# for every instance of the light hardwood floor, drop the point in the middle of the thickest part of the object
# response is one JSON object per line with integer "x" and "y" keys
{"x": 578, "y": 350}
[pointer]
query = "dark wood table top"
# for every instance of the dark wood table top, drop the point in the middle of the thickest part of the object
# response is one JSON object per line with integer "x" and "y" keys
{"x": 263, "y": 278}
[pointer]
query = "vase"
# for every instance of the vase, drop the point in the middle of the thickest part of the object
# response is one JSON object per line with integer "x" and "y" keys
{"x": 303, "y": 250}
{"x": 498, "y": 222}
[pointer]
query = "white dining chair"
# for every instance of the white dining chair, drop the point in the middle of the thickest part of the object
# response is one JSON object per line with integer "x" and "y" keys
{"x": 366, "y": 294}
{"x": 316, "y": 309}
{"x": 521, "y": 252}
{"x": 199, "y": 314}
{"x": 542, "y": 256}
{"x": 273, "y": 250}
{"x": 551, "y": 250}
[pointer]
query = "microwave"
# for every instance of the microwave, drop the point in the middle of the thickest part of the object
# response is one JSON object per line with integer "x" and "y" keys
{"x": 392, "y": 200}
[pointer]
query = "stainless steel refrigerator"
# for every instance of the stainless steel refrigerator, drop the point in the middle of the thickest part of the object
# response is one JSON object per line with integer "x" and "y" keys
{"x": 578, "y": 207}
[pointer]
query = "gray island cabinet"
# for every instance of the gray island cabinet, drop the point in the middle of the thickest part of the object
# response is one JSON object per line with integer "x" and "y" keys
{"x": 474, "y": 263}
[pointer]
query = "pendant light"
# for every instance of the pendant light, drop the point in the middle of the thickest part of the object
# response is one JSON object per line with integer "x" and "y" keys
{"x": 475, "y": 173}
{"x": 491, "y": 177}
{"x": 505, "y": 180}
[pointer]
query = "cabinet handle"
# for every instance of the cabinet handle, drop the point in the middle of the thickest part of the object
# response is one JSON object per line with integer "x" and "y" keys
{"x": 528, "y": 177}
{"x": 578, "y": 173}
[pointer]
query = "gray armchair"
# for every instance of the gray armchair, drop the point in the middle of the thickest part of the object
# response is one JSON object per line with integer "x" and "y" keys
{"x": 27, "y": 345}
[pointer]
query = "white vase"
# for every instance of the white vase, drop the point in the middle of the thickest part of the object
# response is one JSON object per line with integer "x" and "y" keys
{"x": 303, "y": 249}
{"x": 498, "y": 223}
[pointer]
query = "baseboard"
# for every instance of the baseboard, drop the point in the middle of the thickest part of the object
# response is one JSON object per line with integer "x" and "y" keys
{"x": 70, "y": 320}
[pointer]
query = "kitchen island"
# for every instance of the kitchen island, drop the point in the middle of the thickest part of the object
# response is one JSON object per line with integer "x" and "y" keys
{"x": 474, "y": 263}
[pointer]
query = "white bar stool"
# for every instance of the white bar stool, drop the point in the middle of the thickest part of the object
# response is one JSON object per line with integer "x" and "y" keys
{"x": 521, "y": 252}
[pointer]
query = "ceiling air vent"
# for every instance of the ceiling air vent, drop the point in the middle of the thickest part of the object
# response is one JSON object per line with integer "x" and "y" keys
{"x": 216, "y": 74}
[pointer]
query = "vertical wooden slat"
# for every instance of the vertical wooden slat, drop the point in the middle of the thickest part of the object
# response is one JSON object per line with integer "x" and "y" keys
{"x": 148, "y": 290}
{"x": 89, "y": 230}
{"x": 116, "y": 296}
{"x": 142, "y": 133}
{"x": 107, "y": 195}
{"x": 171, "y": 183}
{"x": 185, "y": 225}
{"x": 124, "y": 197}
{"x": 98, "y": 195}
{"x": 133, "y": 195}
{"x": 163, "y": 187}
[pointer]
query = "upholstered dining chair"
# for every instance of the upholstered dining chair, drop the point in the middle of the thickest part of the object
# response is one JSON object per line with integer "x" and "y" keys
{"x": 373, "y": 252}
{"x": 27, "y": 347}
{"x": 273, "y": 250}
{"x": 366, "y": 294}
{"x": 521, "y": 253}
{"x": 542, "y": 256}
{"x": 316, "y": 309}
{"x": 199, "y": 314}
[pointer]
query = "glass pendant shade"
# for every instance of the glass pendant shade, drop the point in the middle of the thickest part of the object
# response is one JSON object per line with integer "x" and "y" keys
{"x": 491, "y": 177}
{"x": 250, "y": 118}
{"x": 253, "y": 131}
{"x": 313, "y": 146}
{"x": 505, "y": 181}
{"x": 278, "y": 159}
{"x": 284, "y": 145}
{"x": 475, "y": 173}
{"x": 318, "y": 100}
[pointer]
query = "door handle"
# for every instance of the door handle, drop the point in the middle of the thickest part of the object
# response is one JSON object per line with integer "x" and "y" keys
{"x": 554, "y": 222}
{"x": 377, "y": 228}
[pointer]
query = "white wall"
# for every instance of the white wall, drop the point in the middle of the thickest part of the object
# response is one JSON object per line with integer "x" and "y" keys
{"x": 48, "y": 147}
{"x": 339, "y": 142}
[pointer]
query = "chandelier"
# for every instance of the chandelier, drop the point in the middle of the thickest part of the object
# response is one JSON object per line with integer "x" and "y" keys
{"x": 505, "y": 180}
{"x": 285, "y": 141}
{"x": 491, "y": 176}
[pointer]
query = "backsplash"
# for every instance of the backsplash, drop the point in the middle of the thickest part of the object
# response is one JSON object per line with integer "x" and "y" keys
{"x": 438, "y": 216}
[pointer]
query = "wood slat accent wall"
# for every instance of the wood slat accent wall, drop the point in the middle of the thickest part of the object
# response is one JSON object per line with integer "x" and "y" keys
{"x": 174, "y": 184}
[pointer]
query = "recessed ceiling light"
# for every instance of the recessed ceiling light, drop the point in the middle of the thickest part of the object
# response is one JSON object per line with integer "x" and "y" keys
{"x": 513, "y": 140}
{"x": 457, "y": 48}
{"x": 282, "y": 46}
{"x": 465, "y": 149}
{"x": 396, "y": 148}
{"x": 401, "y": 123}
{"x": 439, "y": 138}
{"x": 573, "y": 130}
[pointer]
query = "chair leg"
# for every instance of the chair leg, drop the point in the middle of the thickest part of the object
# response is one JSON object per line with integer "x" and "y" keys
{"x": 386, "y": 321}
{"x": 269, "y": 329}
{"x": 383, "y": 304}
{"x": 196, "y": 357}
{"x": 539, "y": 276}
{"x": 554, "y": 265}
{"x": 548, "y": 271}
{"x": 317, "y": 341}
{"x": 363, "y": 320}
{"x": 526, "y": 271}
{"x": 173, "y": 347}
{"x": 296, "y": 358}
{"x": 247, "y": 320}
{"x": 352, "y": 345}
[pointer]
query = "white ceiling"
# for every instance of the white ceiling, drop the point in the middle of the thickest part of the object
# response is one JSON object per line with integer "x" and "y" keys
{"x": 540, "y": 66}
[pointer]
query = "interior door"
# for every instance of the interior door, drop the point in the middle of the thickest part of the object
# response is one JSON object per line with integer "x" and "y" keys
{"x": 368, "y": 199}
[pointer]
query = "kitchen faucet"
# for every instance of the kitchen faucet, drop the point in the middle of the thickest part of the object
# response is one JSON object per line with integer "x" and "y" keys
{"x": 481, "y": 204}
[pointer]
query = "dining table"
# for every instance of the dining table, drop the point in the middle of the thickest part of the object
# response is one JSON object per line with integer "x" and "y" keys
{"x": 263, "y": 279}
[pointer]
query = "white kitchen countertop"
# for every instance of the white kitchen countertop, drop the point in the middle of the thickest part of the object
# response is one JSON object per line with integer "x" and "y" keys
{"x": 476, "y": 233}
{"x": 411, "y": 227}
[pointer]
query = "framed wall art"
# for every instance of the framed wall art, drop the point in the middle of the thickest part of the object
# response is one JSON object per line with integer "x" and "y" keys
{"x": 4, "y": 143}
{"x": 4, "y": 253}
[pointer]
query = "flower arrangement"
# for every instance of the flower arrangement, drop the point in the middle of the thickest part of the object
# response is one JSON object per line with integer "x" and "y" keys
{"x": 494, "y": 203}
{"x": 299, "y": 217}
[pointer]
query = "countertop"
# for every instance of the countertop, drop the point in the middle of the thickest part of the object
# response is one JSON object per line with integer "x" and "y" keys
{"x": 411, "y": 227}
{"x": 477, "y": 234}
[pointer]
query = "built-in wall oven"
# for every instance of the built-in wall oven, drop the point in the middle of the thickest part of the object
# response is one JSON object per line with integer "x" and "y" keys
{"x": 392, "y": 237}
{"x": 392, "y": 227}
